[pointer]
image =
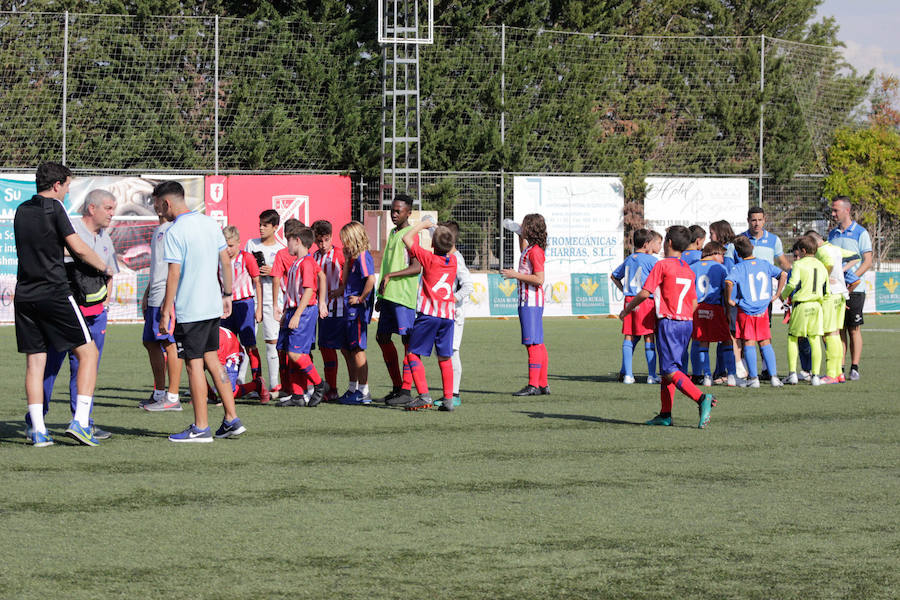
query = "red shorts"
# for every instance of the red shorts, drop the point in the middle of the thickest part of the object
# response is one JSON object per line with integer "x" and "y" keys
{"x": 642, "y": 320}
{"x": 753, "y": 327}
{"x": 710, "y": 323}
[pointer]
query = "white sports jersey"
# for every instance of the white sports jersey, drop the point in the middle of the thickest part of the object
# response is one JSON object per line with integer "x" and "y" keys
{"x": 256, "y": 245}
{"x": 532, "y": 261}
{"x": 332, "y": 263}
{"x": 835, "y": 256}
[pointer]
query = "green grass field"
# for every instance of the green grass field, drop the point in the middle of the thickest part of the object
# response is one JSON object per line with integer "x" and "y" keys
{"x": 790, "y": 493}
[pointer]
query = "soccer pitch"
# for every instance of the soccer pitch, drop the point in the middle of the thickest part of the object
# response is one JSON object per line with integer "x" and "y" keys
{"x": 790, "y": 493}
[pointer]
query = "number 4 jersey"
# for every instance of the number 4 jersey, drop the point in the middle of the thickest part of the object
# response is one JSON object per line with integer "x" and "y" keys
{"x": 671, "y": 282}
{"x": 752, "y": 281}
{"x": 438, "y": 274}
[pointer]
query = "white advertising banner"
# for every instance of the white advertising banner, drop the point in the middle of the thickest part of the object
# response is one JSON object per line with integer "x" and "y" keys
{"x": 699, "y": 200}
{"x": 584, "y": 232}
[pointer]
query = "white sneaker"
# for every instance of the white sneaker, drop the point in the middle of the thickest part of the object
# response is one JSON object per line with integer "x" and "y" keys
{"x": 653, "y": 380}
{"x": 791, "y": 379}
{"x": 731, "y": 381}
{"x": 707, "y": 381}
{"x": 628, "y": 379}
{"x": 815, "y": 380}
{"x": 803, "y": 375}
{"x": 750, "y": 383}
{"x": 776, "y": 382}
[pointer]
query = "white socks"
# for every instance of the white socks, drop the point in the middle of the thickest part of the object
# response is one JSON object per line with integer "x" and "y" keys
{"x": 272, "y": 361}
{"x": 36, "y": 412}
{"x": 83, "y": 410}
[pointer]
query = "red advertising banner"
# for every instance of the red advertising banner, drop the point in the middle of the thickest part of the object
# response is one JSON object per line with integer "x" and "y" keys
{"x": 240, "y": 199}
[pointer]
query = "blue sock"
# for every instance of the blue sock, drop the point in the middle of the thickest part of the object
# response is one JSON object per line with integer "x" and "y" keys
{"x": 627, "y": 351}
{"x": 750, "y": 358}
{"x": 696, "y": 360}
{"x": 703, "y": 360}
{"x": 728, "y": 356}
{"x": 768, "y": 354}
{"x": 805, "y": 355}
{"x": 721, "y": 365}
{"x": 650, "y": 353}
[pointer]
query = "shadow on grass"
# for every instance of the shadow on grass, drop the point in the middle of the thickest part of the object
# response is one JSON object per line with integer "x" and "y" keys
{"x": 584, "y": 377}
{"x": 543, "y": 415}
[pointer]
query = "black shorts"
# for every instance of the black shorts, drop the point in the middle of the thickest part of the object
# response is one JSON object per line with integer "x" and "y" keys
{"x": 195, "y": 339}
{"x": 854, "y": 315}
{"x": 53, "y": 322}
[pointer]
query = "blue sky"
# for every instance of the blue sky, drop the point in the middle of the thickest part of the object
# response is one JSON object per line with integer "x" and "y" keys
{"x": 871, "y": 31}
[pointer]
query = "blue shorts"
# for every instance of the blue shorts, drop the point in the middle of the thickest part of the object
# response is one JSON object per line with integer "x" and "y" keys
{"x": 531, "y": 319}
{"x": 432, "y": 332}
{"x": 395, "y": 318}
{"x": 299, "y": 340}
{"x": 242, "y": 321}
{"x": 672, "y": 338}
{"x": 151, "y": 327}
{"x": 355, "y": 332}
{"x": 331, "y": 332}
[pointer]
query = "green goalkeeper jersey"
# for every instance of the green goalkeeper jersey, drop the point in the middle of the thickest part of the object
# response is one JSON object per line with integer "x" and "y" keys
{"x": 402, "y": 290}
{"x": 808, "y": 281}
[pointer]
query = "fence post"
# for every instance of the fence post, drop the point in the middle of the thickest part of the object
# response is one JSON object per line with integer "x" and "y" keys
{"x": 216, "y": 100}
{"x": 762, "y": 87}
{"x": 502, "y": 138}
{"x": 65, "y": 82}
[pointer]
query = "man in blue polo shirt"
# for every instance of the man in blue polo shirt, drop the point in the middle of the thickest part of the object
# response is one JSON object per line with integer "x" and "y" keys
{"x": 850, "y": 235}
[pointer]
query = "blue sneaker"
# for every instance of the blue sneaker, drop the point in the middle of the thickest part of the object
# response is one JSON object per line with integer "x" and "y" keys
{"x": 706, "y": 404}
{"x": 193, "y": 434}
{"x": 229, "y": 429}
{"x": 660, "y": 420}
{"x": 40, "y": 440}
{"x": 356, "y": 398}
{"x": 82, "y": 434}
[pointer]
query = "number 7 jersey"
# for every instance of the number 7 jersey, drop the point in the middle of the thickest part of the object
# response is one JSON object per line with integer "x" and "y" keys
{"x": 438, "y": 274}
{"x": 671, "y": 281}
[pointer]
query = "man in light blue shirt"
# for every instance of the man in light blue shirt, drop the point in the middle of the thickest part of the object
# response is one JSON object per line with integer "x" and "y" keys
{"x": 196, "y": 252}
{"x": 850, "y": 235}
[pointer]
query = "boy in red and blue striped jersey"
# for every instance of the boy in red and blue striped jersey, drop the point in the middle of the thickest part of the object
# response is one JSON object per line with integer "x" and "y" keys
{"x": 331, "y": 328}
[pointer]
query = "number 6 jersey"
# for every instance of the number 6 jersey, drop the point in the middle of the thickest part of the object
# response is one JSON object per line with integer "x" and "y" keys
{"x": 671, "y": 282}
{"x": 438, "y": 274}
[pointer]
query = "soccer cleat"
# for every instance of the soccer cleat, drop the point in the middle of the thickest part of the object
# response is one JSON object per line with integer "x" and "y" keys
{"x": 791, "y": 379}
{"x": 292, "y": 400}
{"x": 749, "y": 383}
{"x": 82, "y": 434}
{"x": 841, "y": 378}
{"x": 628, "y": 379}
{"x": 530, "y": 390}
{"x": 828, "y": 380}
{"x": 393, "y": 394}
{"x": 775, "y": 381}
{"x": 40, "y": 440}
{"x": 731, "y": 381}
{"x": 163, "y": 406}
{"x": 275, "y": 392}
{"x": 100, "y": 434}
{"x": 697, "y": 379}
{"x": 318, "y": 395}
{"x": 545, "y": 391}
{"x": 264, "y": 396}
{"x": 231, "y": 428}
{"x": 803, "y": 375}
{"x": 331, "y": 396}
{"x": 149, "y": 400}
{"x": 660, "y": 420}
{"x": 401, "y": 399}
{"x": 620, "y": 376}
{"x": 421, "y": 402}
{"x": 707, "y": 401}
{"x": 815, "y": 380}
{"x": 457, "y": 401}
{"x": 707, "y": 381}
{"x": 854, "y": 375}
{"x": 193, "y": 434}
{"x": 355, "y": 398}
{"x": 653, "y": 379}
{"x": 446, "y": 405}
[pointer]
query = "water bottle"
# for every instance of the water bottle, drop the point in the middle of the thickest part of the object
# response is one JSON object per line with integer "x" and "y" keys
{"x": 510, "y": 225}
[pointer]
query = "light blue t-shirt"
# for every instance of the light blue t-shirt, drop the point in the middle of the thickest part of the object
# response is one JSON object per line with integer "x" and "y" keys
{"x": 752, "y": 279}
{"x": 768, "y": 247}
{"x": 710, "y": 281}
{"x": 633, "y": 272}
{"x": 855, "y": 239}
{"x": 194, "y": 242}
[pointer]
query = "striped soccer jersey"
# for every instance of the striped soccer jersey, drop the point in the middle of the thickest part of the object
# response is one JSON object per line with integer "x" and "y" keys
{"x": 245, "y": 269}
{"x": 436, "y": 298}
{"x": 300, "y": 276}
{"x": 531, "y": 262}
{"x": 332, "y": 263}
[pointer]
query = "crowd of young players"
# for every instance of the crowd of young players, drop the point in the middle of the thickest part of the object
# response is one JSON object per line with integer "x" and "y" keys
{"x": 722, "y": 292}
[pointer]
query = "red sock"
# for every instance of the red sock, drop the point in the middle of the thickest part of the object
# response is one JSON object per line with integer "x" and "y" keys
{"x": 666, "y": 397}
{"x": 296, "y": 379}
{"x": 389, "y": 352}
{"x": 685, "y": 386}
{"x": 534, "y": 365}
{"x": 417, "y": 373}
{"x": 545, "y": 365}
{"x": 447, "y": 377}
{"x": 244, "y": 388}
{"x": 329, "y": 357}
{"x": 309, "y": 369}
{"x": 253, "y": 353}
{"x": 407, "y": 372}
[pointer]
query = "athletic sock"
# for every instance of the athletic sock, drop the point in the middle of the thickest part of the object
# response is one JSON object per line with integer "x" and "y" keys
{"x": 768, "y": 354}
{"x": 703, "y": 359}
{"x": 534, "y": 365}
{"x": 815, "y": 351}
{"x": 83, "y": 405}
{"x": 253, "y": 353}
{"x": 407, "y": 382}
{"x": 36, "y": 412}
{"x": 158, "y": 394}
{"x": 389, "y": 352}
{"x": 306, "y": 365}
{"x": 545, "y": 365}
{"x": 721, "y": 366}
{"x": 666, "y": 398}
{"x": 417, "y": 372}
{"x": 363, "y": 388}
{"x": 447, "y": 377}
{"x": 273, "y": 364}
{"x": 696, "y": 359}
{"x": 793, "y": 351}
{"x": 352, "y": 386}
{"x": 750, "y": 359}
{"x": 329, "y": 358}
{"x": 627, "y": 361}
{"x": 834, "y": 356}
{"x": 686, "y": 386}
{"x": 728, "y": 357}
{"x": 295, "y": 379}
{"x": 650, "y": 353}
{"x": 171, "y": 397}
{"x": 457, "y": 371}
{"x": 854, "y": 367}
{"x": 805, "y": 347}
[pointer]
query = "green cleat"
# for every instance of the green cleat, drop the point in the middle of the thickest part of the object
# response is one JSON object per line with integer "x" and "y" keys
{"x": 660, "y": 420}
{"x": 707, "y": 401}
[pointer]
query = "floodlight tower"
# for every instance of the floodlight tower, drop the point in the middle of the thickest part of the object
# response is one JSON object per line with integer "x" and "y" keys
{"x": 402, "y": 28}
